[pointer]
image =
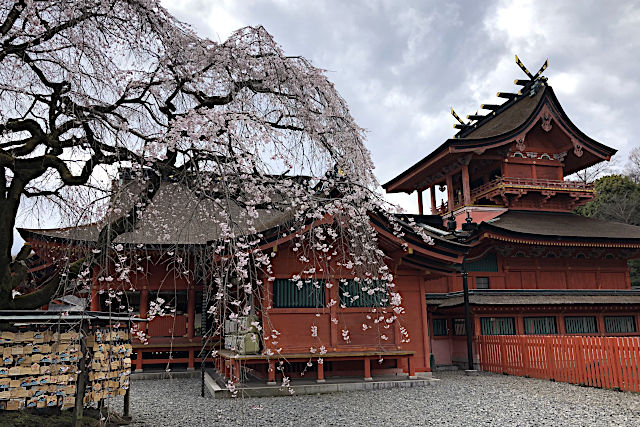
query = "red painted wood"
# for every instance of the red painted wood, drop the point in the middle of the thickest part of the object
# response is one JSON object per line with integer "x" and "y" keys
{"x": 367, "y": 368}
{"x": 320, "y": 370}
{"x": 412, "y": 365}
{"x": 168, "y": 326}
{"x": 271, "y": 371}
{"x": 606, "y": 362}
{"x": 191, "y": 312}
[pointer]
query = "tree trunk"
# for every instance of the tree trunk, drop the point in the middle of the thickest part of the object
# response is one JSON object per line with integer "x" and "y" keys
{"x": 8, "y": 212}
{"x": 83, "y": 376}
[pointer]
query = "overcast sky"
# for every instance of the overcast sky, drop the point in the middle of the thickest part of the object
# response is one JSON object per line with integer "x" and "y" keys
{"x": 400, "y": 65}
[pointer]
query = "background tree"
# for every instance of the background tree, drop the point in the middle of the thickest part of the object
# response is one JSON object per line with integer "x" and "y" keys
{"x": 633, "y": 166}
{"x": 91, "y": 87}
{"x": 617, "y": 199}
{"x": 592, "y": 173}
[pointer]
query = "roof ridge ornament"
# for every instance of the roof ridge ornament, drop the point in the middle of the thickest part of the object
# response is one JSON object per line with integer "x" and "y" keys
{"x": 528, "y": 73}
{"x": 530, "y": 87}
{"x": 461, "y": 124}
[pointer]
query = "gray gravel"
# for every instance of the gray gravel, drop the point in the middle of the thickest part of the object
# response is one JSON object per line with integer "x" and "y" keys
{"x": 487, "y": 399}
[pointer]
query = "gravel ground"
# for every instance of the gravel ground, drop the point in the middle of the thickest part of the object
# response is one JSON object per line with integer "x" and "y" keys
{"x": 487, "y": 399}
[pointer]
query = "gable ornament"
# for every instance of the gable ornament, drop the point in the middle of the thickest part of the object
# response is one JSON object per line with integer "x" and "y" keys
{"x": 577, "y": 148}
{"x": 546, "y": 122}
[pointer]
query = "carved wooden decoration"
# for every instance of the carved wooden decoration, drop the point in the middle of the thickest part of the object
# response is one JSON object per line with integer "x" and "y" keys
{"x": 546, "y": 122}
{"x": 560, "y": 156}
{"x": 577, "y": 148}
{"x": 520, "y": 145}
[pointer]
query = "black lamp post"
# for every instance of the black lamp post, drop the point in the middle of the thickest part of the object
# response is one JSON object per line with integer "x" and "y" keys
{"x": 469, "y": 228}
{"x": 467, "y": 314}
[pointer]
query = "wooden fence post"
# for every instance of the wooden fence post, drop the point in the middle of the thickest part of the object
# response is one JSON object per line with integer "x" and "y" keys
{"x": 549, "y": 358}
{"x": 614, "y": 363}
{"x": 503, "y": 353}
{"x": 524, "y": 350}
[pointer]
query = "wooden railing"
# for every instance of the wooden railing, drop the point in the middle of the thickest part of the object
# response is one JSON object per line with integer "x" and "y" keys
{"x": 547, "y": 184}
{"x": 509, "y": 182}
{"x": 606, "y": 362}
{"x": 168, "y": 326}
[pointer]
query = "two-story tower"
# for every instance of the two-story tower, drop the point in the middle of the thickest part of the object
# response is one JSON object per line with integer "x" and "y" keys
{"x": 534, "y": 266}
{"x": 516, "y": 156}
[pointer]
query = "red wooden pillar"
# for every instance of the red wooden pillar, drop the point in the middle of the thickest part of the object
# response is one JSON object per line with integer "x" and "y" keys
{"x": 412, "y": 367}
{"x": 432, "y": 192}
{"x": 420, "y": 208}
{"x": 466, "y": 189}
{"x": 449, "y": 180}
{"x": 94, "y": 304}
{"x": 425, "y": 326}
{"x": 320, "y": 378}
{"x": 601, "y": 325}
{"x": 190, "y": 364}
{"x": 139, "y": 360}
{"x": 191, "y": 312}
{"x": 95, "y": 300}
{"x": 237, "y": 373}
{"x": 367, "y": 369}
{"x": 144, "y": 307}
{"x": 271, "y": 373}
{"x": 477, "y": 333}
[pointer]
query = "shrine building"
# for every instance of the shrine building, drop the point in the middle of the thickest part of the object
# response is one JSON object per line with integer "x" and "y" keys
{"x": 534, "y": 267}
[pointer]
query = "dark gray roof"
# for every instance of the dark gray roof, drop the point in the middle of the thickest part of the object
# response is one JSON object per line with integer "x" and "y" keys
{"x": 176, "y": 216}
{"x": 560, "y": 225}
{"x": 535, "y": 297}
{"x": 509, "y": 119}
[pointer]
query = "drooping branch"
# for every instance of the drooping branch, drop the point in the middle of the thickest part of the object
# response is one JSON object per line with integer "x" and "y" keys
{"x": 13, "y": 14}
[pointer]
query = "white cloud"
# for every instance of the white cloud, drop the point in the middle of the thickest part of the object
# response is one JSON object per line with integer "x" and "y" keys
{"x": 401, "y": 66}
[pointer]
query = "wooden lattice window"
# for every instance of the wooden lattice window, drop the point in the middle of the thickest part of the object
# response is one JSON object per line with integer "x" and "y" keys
{"x": 488, "y": 263}
{"x": 364, "y": 293}
{"x": 619, "y": 324}
{"x": 543, "y": 325}
{"x": 459, "y": 327}
{"x": 498, "y": 325}
{"x": 482, "y": 283}
{"x": 581, "y": 325}
{"x": 303, "y": 293}
{"x": 440, "y": 328}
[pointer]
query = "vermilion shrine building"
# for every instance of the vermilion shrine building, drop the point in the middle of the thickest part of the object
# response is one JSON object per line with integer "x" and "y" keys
{"x": 534, "y": 267}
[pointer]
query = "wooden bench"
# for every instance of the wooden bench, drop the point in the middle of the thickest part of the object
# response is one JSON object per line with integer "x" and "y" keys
{"x": 192, "y": 346}
{"x": 228, "y": 362}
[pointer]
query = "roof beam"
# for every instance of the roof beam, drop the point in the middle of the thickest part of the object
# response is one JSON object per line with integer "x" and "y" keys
{"x": 491, "y": 107}
{"x": 475, "y": 117}
{"x": 506, "y": 95}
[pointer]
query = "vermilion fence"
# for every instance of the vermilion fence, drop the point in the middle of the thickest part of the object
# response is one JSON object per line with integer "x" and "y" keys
{"x": 607, "y": 362}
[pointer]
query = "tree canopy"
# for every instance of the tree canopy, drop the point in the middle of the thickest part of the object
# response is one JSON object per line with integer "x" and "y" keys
{"x": 617, "y": 199}
{"x": 92, "y": 88}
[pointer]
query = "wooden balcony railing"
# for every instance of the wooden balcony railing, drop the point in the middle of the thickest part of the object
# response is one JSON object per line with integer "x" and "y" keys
{"x": 530, "y": 183}
{"x": 503, "y": 183}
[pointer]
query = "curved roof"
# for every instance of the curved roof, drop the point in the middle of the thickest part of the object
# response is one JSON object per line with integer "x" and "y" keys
{"x": 560, "y": 226}
{"x": 175, "y": 216}
{"x": 500, "y": 127}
